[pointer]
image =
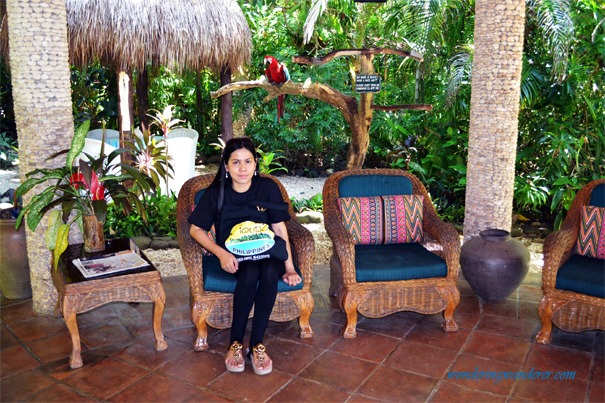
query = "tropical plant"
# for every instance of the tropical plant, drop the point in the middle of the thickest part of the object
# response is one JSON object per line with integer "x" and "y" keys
{"x": 94, "y": 95}
{"x": 161, "y": 218}
{"x": 269, "y": 161}
{"x": 83, "y": 188}
{"x": 315, "y": 203}
{"x": 561, "y": 130}
{"x": 150, "y": 158}
{"x": 165, "y": 122}
{"x": 9, "y": 152}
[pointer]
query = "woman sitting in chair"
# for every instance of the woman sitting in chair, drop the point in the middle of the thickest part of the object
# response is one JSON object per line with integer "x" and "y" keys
{"x": 237, "y": 203}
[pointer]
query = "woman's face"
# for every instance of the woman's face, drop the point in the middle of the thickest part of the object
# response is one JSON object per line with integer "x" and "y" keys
{"x": 241, "y": 166}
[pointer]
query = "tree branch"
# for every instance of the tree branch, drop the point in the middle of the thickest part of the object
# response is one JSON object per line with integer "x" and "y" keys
{"x": 314, "y": 61}
{"x": 414, "y": 107}
{"x": 323, "y": 92}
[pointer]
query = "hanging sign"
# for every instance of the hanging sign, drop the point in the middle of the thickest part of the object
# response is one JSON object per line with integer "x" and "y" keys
{"x": 367, "y": 83}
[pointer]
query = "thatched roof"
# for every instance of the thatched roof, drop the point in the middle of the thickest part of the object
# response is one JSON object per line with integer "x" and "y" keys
{"x": 180, "y": 34}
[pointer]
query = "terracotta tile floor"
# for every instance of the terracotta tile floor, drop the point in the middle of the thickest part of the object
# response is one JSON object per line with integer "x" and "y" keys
{"x": 403, "y": 357}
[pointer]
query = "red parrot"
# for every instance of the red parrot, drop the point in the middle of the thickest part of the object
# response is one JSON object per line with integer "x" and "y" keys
{"x": 277, "y": 73}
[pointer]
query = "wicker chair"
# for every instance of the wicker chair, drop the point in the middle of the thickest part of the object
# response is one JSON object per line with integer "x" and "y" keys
{"x": 375, "y": 298}
{"x": 215, "y": 308}
{"x": 566, "y": 274}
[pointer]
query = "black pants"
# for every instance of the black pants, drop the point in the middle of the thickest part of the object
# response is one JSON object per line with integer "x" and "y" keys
{"x": 256, "y": 285}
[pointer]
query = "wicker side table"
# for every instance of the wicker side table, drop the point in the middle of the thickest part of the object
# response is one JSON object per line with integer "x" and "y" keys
{"x": 78, "y": 294}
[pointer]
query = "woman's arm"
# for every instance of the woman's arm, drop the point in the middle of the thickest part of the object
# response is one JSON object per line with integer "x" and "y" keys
{"x": 291, "y": 277}
{"x": 228, "y": 261}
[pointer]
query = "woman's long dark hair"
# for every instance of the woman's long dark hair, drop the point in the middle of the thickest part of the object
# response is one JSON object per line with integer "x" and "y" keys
{"x": 221, "y": 180}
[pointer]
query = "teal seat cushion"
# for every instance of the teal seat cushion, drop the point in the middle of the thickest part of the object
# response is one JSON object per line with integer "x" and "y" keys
{"x": 582, "y": 274}
{"x": 597, "y": 197}
{"x": 391, "y": 262}
{"x": 374, "y": 185}
{"x": 218, "y": 280}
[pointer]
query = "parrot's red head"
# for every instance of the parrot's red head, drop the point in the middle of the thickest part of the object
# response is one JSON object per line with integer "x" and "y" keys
{"x": 270, "y": 60}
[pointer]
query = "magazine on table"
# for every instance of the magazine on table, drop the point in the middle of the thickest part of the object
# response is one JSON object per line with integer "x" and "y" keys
{"x": 109, "y": 264}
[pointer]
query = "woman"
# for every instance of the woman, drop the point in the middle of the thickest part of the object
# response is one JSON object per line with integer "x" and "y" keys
{"x": 239, "y": 194}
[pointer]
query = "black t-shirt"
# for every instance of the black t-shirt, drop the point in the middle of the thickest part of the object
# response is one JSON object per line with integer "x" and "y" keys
{"x": 254, "y": 205}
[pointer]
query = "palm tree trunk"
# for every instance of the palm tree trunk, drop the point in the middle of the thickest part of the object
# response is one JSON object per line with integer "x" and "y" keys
{"x": 495, "y": 93}
{"x": 42, "y": 102}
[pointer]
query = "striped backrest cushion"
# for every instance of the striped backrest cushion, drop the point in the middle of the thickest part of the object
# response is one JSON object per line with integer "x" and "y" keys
{"x": 376, "y": 220}
{"x": 591, "y": 238}
{"x": 363, "y": 218}
{"x": 403, "y": 219}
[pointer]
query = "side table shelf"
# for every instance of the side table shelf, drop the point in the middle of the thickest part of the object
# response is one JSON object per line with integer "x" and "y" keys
{"x": 78, "y": 295}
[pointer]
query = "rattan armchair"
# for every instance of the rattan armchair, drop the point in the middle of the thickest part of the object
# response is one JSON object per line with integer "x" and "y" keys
{"x": 215, "y": 308}
{"x": 375, "y": 299}
{"x": 572, "y": 311}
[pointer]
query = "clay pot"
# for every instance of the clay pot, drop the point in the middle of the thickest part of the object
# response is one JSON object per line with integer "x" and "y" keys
{"x": 494, "y": 264}
{"x": 94, "y": 239}
{"x": 14, "y": 265}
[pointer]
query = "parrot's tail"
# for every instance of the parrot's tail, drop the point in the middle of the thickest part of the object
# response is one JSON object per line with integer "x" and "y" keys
{"x": 280, "y": 107}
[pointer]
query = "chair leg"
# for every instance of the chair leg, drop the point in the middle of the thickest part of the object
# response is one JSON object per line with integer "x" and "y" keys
{"x": 199, "y": 315}
{"x": 350, "y": 306}
{"x": 452, "y": 297}
{"x": 545, "y": 310}
{"x": 306, "y": 305}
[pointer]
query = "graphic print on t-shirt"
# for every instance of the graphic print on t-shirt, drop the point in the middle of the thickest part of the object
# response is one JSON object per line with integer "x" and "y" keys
{"x": 249, "y": 240}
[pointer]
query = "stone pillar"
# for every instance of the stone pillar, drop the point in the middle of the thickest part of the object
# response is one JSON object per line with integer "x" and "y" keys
{"x": 495, "y": 97}
{"x": 40, "y": 75}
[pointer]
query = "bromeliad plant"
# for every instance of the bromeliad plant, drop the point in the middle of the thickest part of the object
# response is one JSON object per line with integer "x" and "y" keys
{"x": 84, "y": 189}
{"x": 166, "y": 123}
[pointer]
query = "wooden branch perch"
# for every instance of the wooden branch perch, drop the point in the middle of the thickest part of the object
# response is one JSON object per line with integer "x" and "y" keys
{"x": 314, "y": 61}
{"x": 323, "y": 92}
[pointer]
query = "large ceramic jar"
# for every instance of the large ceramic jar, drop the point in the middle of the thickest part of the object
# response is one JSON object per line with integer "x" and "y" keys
{"x": 494, "y": 264}
{"x": 14, "y": 266}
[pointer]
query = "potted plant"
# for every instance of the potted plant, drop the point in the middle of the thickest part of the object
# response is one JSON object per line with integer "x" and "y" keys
{"x": 82, "y": 191}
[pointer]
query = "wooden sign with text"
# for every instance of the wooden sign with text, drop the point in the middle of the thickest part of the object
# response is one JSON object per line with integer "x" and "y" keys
{"x": 367, "y": 83}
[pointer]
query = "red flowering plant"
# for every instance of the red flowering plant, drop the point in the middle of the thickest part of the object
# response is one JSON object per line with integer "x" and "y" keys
{"x": 83, "y": 189}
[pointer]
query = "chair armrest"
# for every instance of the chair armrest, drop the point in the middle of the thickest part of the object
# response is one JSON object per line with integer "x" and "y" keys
{"x": 191, "y": 253}
{"x": 303, "y": 250}
{"x": 343, "y": 245}
{"x": 446, "y": 235}
{"x": 558, "y": 246}
{"x": 191, "y": 250}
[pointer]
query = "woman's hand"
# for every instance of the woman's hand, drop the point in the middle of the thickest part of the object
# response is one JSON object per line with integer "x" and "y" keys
{"x": 291, "y": 278}
{"x": 228, "y": 262}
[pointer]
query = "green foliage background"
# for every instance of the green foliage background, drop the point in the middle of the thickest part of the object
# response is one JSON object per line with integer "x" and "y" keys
{"x": 561, "y": 122}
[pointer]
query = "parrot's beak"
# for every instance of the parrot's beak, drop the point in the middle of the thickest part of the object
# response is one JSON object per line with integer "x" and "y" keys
{"x": 266, "y": 61}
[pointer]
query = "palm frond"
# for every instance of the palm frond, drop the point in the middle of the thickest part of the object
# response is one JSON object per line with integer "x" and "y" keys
{"x": 554, "y": 19}
{"x": 316, "y": 10}
{"x": 532, "y": 82}
{"x": 460, "y": 69}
